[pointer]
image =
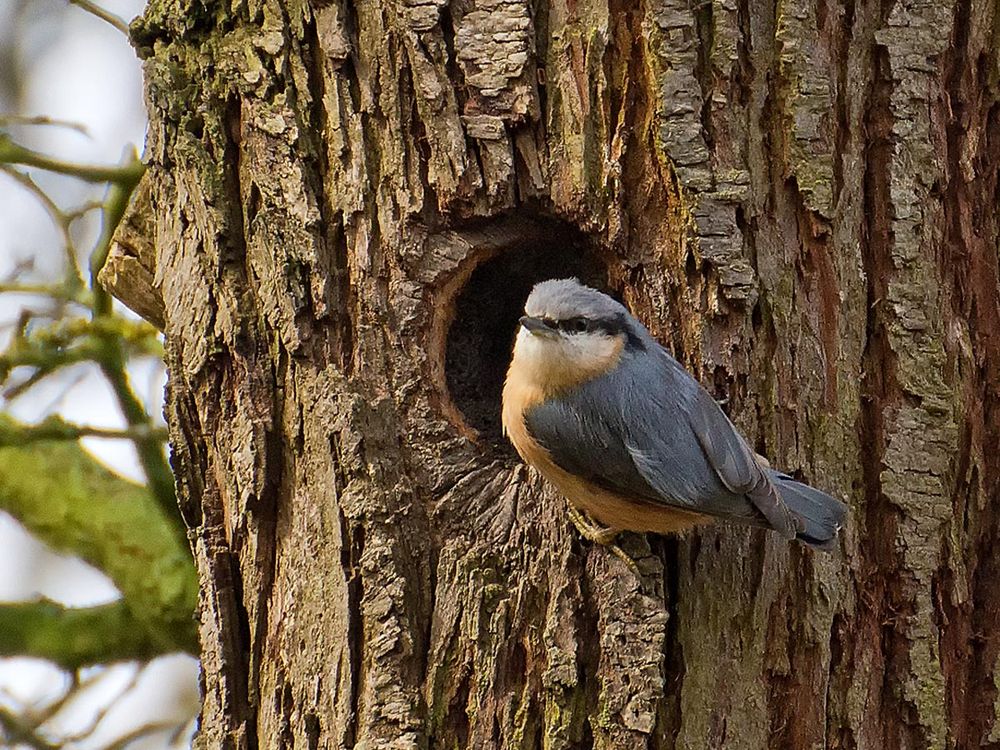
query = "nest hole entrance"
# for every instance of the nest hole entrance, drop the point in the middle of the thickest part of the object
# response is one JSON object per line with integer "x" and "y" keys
{"x": 486, "y": 313}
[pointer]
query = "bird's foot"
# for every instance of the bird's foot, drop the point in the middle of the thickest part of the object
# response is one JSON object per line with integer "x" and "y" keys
{"x": 590, "y": 529}
{"x": 602, "y": 535}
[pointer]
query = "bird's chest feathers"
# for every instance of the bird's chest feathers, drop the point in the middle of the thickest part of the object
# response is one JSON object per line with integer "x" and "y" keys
{"x": 520, "y": 395}
{"x": 543, "y": 369}
{"x": 548, "y": 367}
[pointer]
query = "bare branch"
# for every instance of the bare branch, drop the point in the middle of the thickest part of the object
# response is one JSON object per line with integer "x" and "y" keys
{"x": 15, "y": 119}
{"x": 99, "y": 715}
{"x": 104, "y": 15}
{"x": 19, "y": 732}
{"x": 60, "y": 218}
{"x": 144, "y": 731}
{"x": 57, "y": 291}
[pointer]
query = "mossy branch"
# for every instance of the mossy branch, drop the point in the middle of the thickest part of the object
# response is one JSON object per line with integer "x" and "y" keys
{"x": 106, "y": 340}
{"x": 149, "y": 449}
{"x": 77, "y": 637}
{"x": 127, "y": 174}
{"x": 115, "y": 204}
{"x": 56, "y": 428}
{"x": 75, "y": 505}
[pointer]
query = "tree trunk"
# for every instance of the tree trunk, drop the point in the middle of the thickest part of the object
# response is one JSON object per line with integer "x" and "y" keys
{"x": 349, "y": 202}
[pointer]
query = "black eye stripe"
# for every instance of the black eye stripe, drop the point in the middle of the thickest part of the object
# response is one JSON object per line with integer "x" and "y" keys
{"x": 610, "y": 326}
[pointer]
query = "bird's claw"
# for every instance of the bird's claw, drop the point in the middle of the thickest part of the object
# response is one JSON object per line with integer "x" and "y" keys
{"x": 591, "y": 530}
{"x": 601, "y": 535}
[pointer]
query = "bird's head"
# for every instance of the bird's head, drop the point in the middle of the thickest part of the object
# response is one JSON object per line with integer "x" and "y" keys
{"x": 571, "y": 333}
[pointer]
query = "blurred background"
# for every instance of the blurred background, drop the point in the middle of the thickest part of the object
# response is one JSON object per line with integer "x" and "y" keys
{"x": 71, "y": 92}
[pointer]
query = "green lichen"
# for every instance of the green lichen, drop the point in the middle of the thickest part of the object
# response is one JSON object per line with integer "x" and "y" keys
{"x": 75, "y": 505}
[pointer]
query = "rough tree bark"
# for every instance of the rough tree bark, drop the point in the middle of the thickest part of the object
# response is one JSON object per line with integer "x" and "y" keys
{"x": 346, "y": 204}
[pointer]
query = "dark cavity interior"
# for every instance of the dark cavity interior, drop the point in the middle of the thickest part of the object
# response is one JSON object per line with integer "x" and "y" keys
{"x": 487, "y": 309}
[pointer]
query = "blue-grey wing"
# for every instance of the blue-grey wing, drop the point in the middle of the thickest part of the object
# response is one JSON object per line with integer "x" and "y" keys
{"x": 649, "y": 429}
{"x": 584, "y": 439}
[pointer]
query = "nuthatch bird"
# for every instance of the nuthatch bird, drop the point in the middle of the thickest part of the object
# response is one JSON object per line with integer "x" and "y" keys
{"x": 630, "y": 438}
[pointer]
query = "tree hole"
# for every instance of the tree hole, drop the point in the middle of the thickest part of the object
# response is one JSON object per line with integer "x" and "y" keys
{"x": 486, "y": 312}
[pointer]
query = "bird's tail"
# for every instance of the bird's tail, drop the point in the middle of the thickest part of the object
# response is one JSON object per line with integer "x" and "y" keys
{"x": 818, "y": 516}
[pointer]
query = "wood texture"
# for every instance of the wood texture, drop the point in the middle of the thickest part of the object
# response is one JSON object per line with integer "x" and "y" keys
{"x": 349, "y": 199}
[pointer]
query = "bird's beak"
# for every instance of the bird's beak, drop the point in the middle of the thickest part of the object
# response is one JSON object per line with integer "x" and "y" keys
{"x": 535, "y": 325}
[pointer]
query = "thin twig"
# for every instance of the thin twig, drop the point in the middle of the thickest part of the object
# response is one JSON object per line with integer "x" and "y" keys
{"x": 29, "y": 184}
{"x": 18, "y": 732}
{"x": 14, "y": 119}
{"x": 117, "y": 200}
{"x": 14, "y": 391}
{"x": 13, "y": 153}
{"x": 57, "y": 428}
{"x": 145, "y": 730}
{"x": 104, "y": 15}
{"x": 46, "y": 290}
{"x": 59, "y": 217}
{"x": 109, "y": 703}
{"x": 83, "y": 209}
{"x": 58, "y": 293}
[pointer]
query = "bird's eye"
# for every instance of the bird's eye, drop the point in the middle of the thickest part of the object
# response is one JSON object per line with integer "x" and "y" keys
{"x": 575, "y": 325}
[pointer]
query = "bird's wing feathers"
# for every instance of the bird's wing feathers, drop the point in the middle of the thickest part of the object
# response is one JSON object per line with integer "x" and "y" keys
{"x": 649, "y": 430}
{"x": 583, "y": 442}
{"x": 734, "y": 462}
